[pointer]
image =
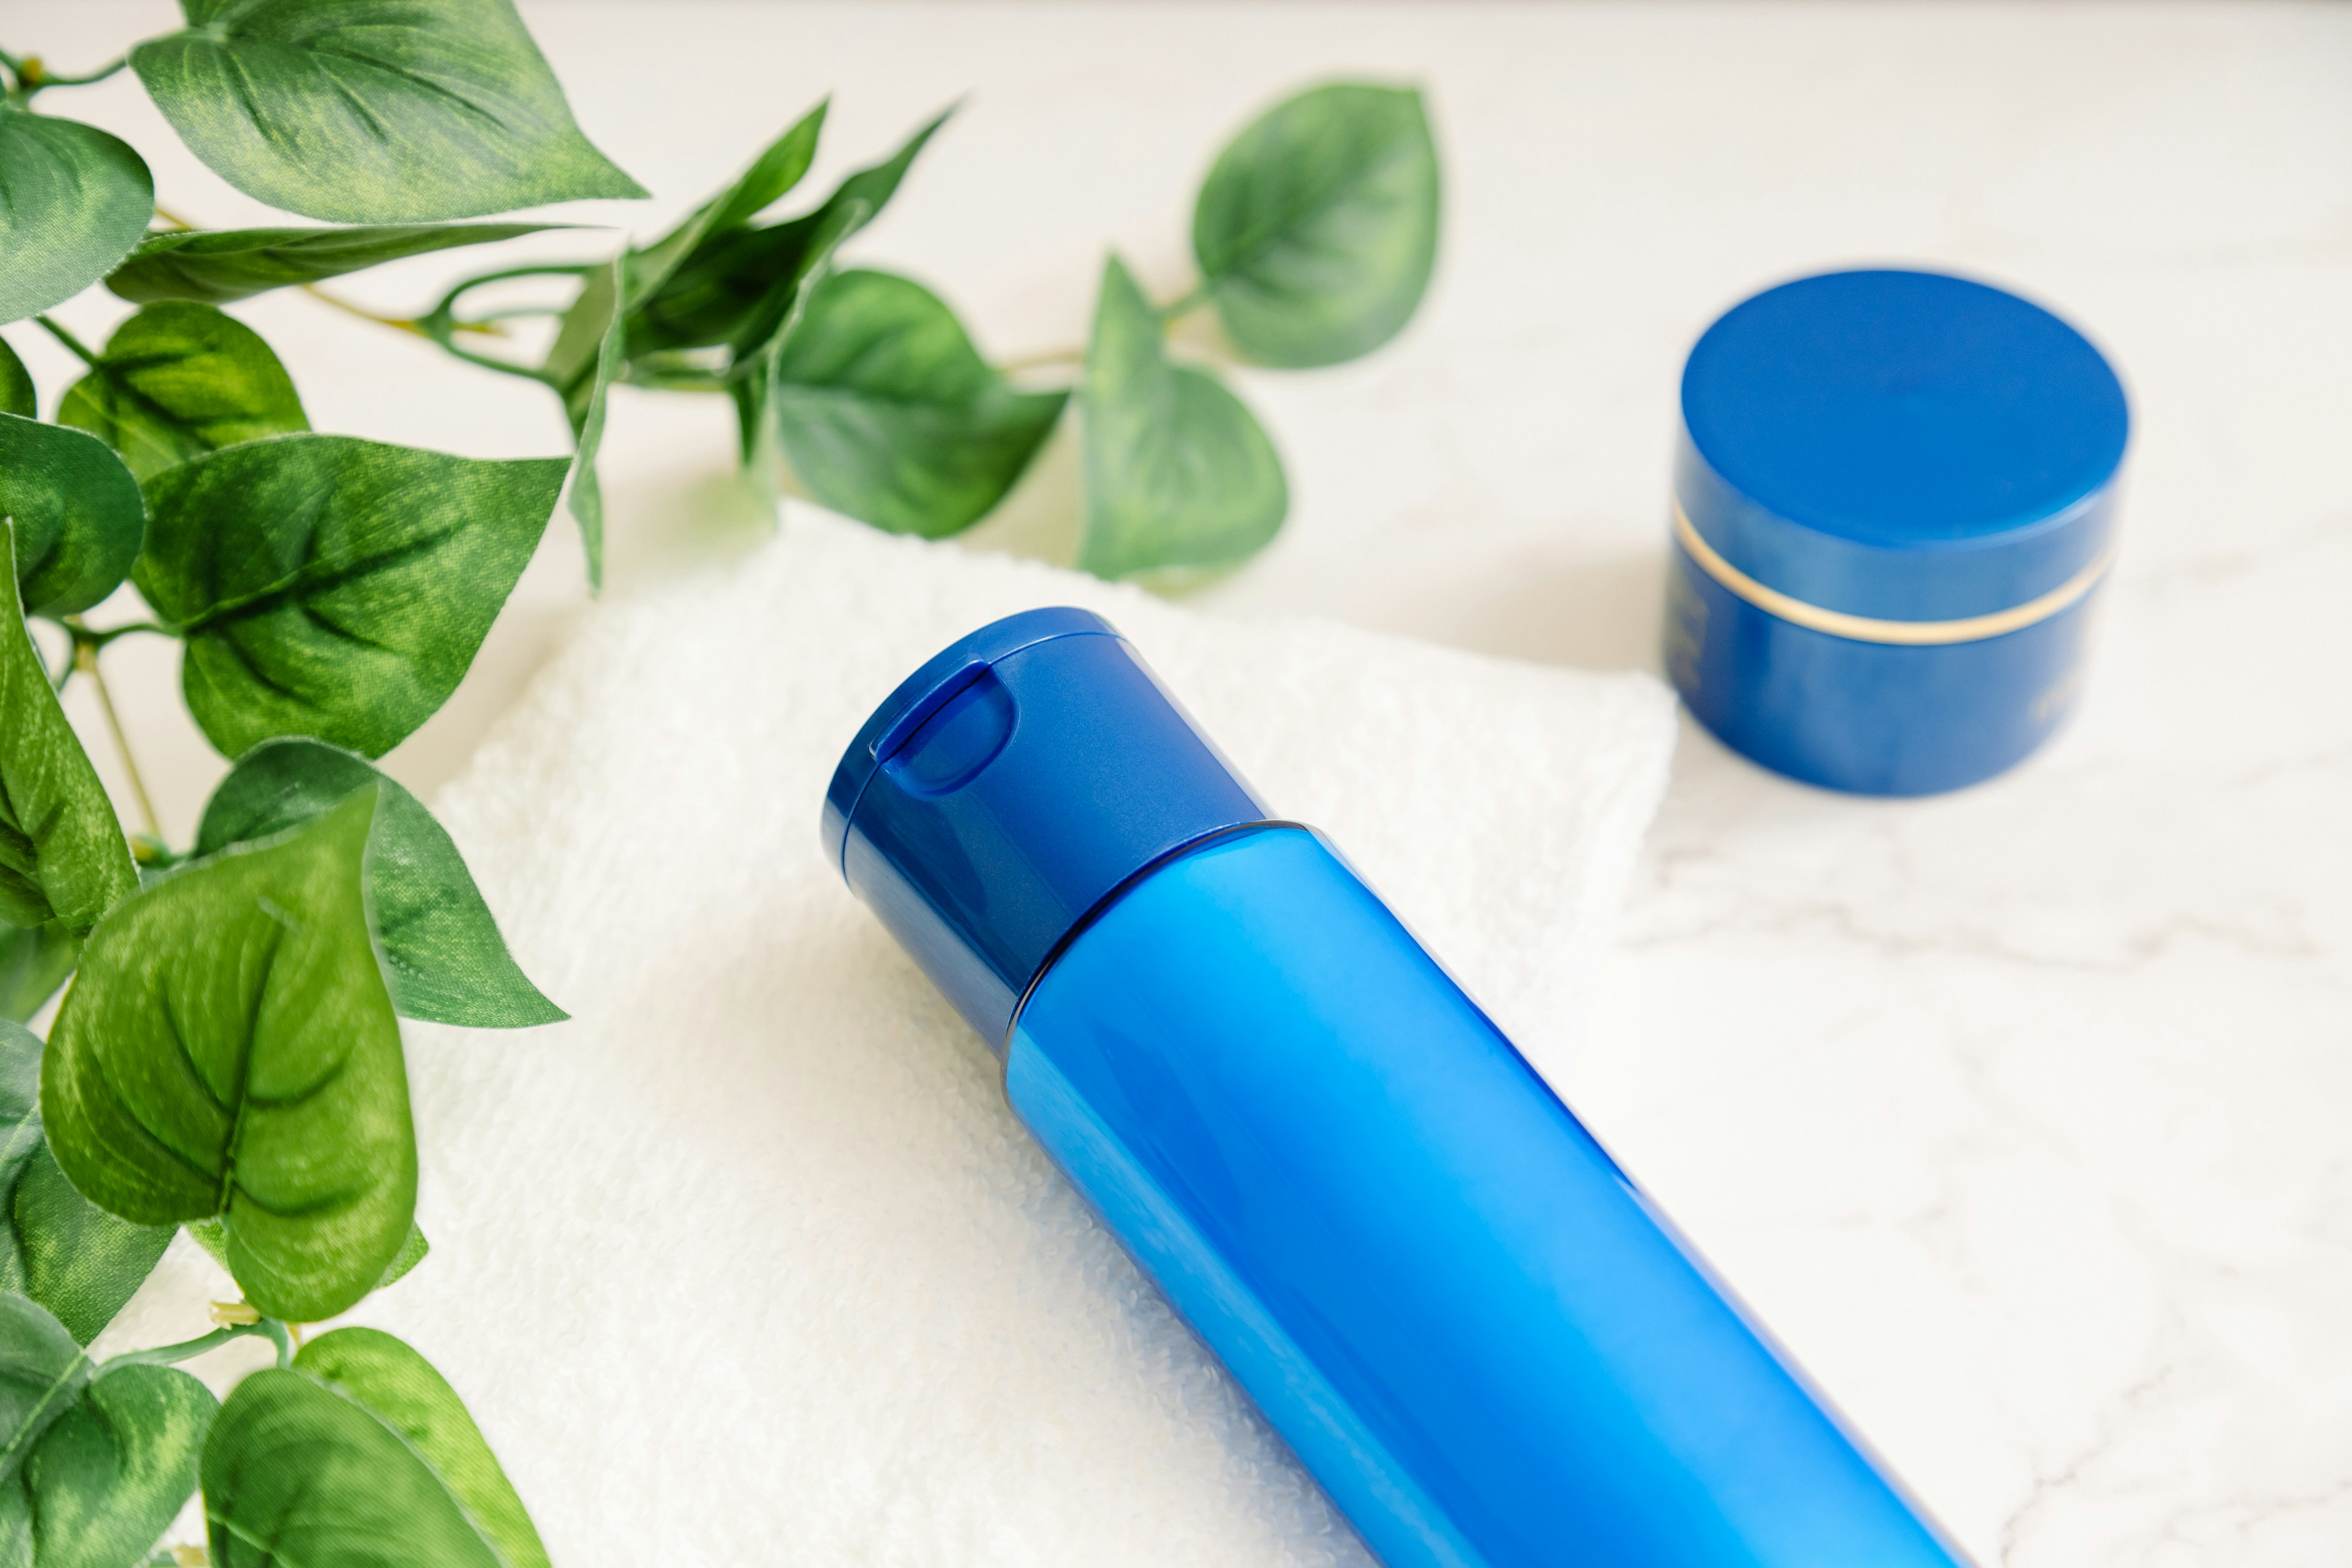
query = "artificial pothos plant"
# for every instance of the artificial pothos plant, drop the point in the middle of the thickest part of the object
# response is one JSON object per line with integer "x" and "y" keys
{"x": 227, "y": 1055}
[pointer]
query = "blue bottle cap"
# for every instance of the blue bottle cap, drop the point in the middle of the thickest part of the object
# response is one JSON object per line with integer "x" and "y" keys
{"x": 1902, "y": 446}
{"x": 1009, "y": 786}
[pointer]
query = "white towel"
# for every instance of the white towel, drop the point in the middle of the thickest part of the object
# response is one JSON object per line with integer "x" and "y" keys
{"x": 750, "y": 1263}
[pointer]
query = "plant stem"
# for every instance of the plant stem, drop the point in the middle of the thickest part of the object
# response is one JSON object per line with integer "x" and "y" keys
{"x": 188, "y": 1349}
{"x": 487, "y": 362}
{"x": 72, "y": 342}
{"x": 101, "y": 635}
{"x": 32, "y": 78}
{"x": 1184, "y": 304}
{"x": 398, "y": 323}
{"x": 1175, "y": 309}
{"x": 1041, "y": 361}
{"x": 442, "y": 325}
{"x": 86, "y": 660}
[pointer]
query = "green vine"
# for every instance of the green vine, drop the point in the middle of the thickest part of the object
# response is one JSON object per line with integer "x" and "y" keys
{"x": 328, "y": 593}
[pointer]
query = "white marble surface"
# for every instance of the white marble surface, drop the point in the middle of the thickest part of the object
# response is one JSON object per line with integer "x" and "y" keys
{"x": 2025, "y": 1114}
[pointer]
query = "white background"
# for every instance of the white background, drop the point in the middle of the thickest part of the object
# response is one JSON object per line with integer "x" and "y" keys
{"x": 2025, "y": 1115}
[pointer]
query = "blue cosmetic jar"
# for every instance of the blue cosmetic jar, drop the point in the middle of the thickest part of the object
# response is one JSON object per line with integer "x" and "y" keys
{"x": 1893, "y": 507}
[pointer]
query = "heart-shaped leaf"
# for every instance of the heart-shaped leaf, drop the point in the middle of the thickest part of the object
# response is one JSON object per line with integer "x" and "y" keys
{"x": 62, "y": 853}
{"x": 373, "y": 111}
{"x": 888, "y": 414}
{"x": 73, "y": 201}
{"x": 444, "y": 960}
{"x": 79, "y": 517}
{"x": 335, "y": 587}
{"x": 1178, "y": 472}
{"x": 217, "y": 266}
{"x": 1317, "y": 229}
{"x": 739, "y": 286}
{"x": 213, "y": 1236}
{"x": 360, "y": 1453}
{"x": 56, "y": 1246}
{"x": 33, "y": 962}
{"x": 177, "y": 381}
{"x": 16, "y": 394}
{"x": 228, "y": 1049}
{"x": 110, "y": 1474}
{"x": 42, "y": 1372}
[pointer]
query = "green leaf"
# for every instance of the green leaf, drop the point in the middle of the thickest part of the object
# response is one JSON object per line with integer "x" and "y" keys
{"x": 56, "y": 1246}
{"x": 412, "y": 1253}
{"x": 888, "y": 414}
{"x": 584, "y": 402}
{"x": 779, "y": 168}
{"x": 1317, "y": 230}
{"x": 16, "y": 394}
{"x": 75, "y": 1258}
{"x": 177, "y": 381}
{"x": 854, "y": 203}
{"x": 360, "y": 1453}
{"x": 444, "y": 960}
{"x": 218, "y": 267}
{"x": 33, "y": 962}
{"x": 109, "y": 1476}
{"x": 764, "y": 327}
{"x": 707, "y": 299}
{"x": 228, "y": 1048}
{"x": 213, "y": 1236}
{"x": 73, "y": 201}
{"x": 77, "y": 512}
{"x": 753, "y": 379}
{"x": 62, "y": 853}
{"x": 1178, "y": 473}
{"x": 335, "y": 587}
{"x": 756, "y": 447}
{"x": 42, "y": 1372}
{"x": 20, "y": 1100}
{"x": 738, "y": 288}
{"x": 580, "y": 335}
{"x": 585, "y": 357}
{"x": 374, "y": 110}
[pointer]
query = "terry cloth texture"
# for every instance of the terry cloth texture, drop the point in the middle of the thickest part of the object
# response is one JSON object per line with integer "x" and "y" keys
{"x": 749, "y": 1263}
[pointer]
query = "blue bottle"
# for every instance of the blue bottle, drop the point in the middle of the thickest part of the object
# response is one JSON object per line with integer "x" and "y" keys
{"x": 1485, "y": 1343}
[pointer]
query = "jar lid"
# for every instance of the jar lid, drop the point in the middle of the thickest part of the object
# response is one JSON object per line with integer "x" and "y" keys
{"x": 1899, "y": 445}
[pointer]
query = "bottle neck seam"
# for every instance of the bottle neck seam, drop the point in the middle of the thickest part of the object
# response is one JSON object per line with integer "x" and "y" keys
{"x": 1102, "y": 906}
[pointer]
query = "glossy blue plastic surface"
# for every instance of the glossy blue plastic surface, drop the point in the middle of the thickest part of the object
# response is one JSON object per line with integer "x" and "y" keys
{"x": 1477, "y": 1334}
{"x": 1900, "y": 444}
{"x": 1007, "y": 786}
{"x": 1905, "y": 447}
{"x": 1873, "y": 718}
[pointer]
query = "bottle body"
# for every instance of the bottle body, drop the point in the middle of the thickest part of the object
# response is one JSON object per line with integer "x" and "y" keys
{"x": 1476, "y": 1333}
